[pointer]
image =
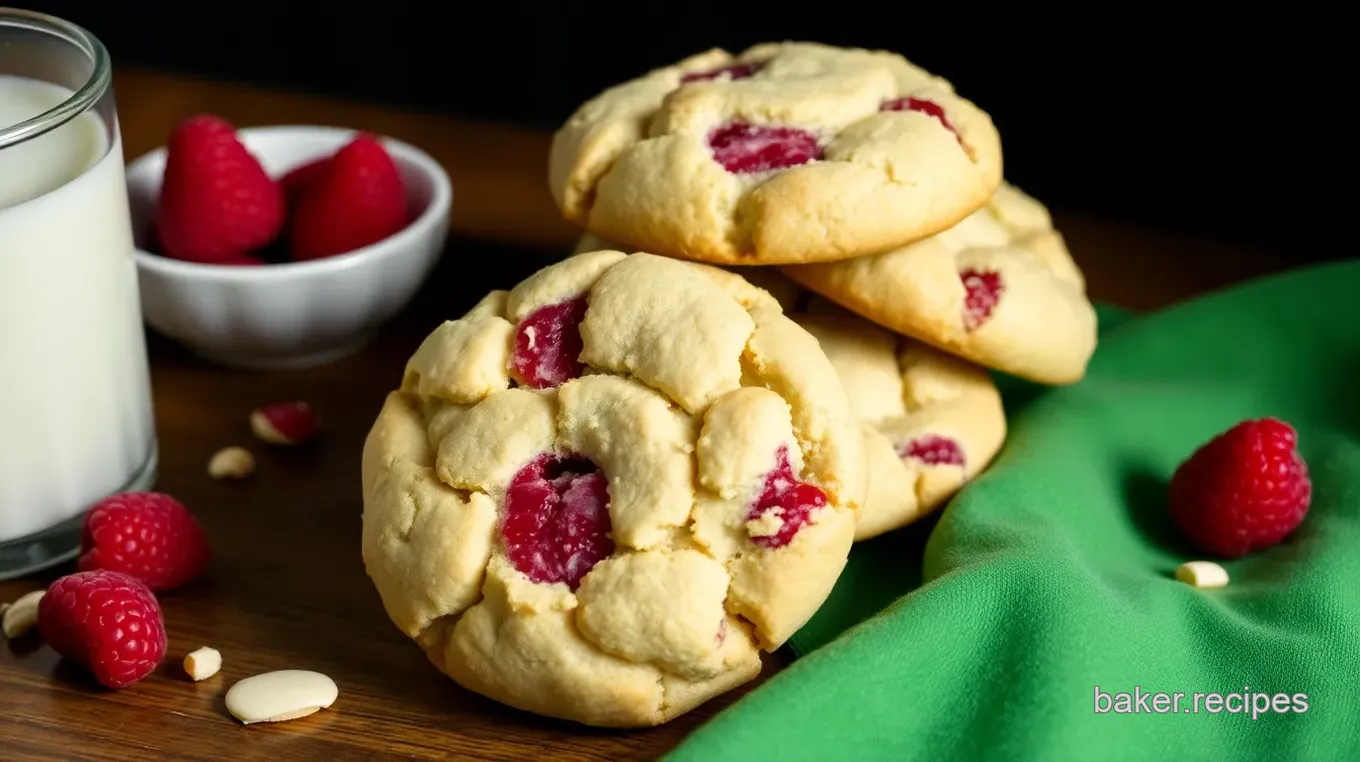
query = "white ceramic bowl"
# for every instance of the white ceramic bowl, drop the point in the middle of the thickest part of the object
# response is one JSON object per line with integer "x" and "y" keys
{"x": 297, "y": 314}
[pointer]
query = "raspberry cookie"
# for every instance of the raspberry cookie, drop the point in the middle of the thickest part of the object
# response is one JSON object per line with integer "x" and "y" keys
{"x": 787, "y": 153}
{"x": 931, "y": 421}
{"x": 597, "y": 496}
{"x": 999, "y": 288}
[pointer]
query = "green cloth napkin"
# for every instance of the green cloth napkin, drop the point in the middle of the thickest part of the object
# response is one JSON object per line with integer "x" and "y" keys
{"x": 1051, "y": 575}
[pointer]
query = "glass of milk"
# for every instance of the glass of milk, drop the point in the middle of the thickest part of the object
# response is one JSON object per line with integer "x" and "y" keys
{"x": 75, "y": 393}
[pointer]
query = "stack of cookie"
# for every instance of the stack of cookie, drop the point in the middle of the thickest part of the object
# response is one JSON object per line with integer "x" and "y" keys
{"x": 867, "y": 196}
{"x": 600, "y": 494}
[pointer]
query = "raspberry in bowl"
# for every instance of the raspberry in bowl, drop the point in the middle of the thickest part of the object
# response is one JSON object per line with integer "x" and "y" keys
{"x": 282, "y": 246}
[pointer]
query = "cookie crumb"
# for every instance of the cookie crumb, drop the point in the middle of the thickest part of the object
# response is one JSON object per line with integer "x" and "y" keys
{"x": 767, "y": 524}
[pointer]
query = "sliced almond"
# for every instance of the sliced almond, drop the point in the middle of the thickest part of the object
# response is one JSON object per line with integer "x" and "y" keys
{"x": 231, "y": 463}
{"x": 203, "y": 663}
{"x": 278, "y": 696}
{"x": 1205, "y": 575}
{"x": 22, "y": 615}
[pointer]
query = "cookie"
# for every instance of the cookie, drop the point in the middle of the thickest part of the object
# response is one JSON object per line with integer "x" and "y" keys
{"x": 931, "y": 421}
{"x": 999, "y": 289}
{"x": 786, "y": 153}
{"x": 599, "y": 495}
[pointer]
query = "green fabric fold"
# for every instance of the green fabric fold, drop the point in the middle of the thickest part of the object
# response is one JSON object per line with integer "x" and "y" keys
{"x": 987, "y": 632}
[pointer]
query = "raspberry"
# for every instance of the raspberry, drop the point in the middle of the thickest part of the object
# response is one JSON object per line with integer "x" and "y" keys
{"x": 736, "y": 71}
{"x": 547, "y": 345}
{"x": 791, "y": 500}
{"x": 921, "y": 105}
{"x": 355, "y": 199}
{"x": 300, "y": 178}
{"x": 216, "y": 203}
{"x": 983, "y": 291}
{"x": 106, "y": 621}
{"x": 743, "y": 148}
{"x": 933, "y": 450}
{"x": 556, "y": 524}
{"x": 285, "y": 423}
{"x": 149, "y": 536}
{"x": 1245, "y": 490}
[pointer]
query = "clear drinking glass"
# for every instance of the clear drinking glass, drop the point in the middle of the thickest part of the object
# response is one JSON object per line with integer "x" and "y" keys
{"x": 75, "y": 392}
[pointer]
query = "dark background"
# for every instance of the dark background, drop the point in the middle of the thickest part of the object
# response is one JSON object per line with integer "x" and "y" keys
{"x": 1173, "y": 117}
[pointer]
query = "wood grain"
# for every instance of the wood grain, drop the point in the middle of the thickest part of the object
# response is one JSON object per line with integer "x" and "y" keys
{"x": 287, "y": 588}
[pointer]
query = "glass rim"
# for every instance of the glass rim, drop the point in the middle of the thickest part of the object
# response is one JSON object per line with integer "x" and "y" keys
{"x": 82, "y": 100}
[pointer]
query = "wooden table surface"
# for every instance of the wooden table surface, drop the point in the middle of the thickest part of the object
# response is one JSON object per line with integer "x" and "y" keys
{"x": 287, "y": 588}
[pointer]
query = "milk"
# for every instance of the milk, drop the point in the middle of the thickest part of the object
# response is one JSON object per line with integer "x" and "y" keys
{"x": 75, "y": 402}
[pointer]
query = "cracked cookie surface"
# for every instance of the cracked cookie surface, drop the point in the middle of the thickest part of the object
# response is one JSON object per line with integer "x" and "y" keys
{"x": 999, "y": 289}
{"x": 785, "y": 153}
{"x": 931, "y": 421}
{"x": 596, "y": 497}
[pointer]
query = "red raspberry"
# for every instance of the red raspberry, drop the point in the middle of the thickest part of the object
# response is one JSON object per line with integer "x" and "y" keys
{"x": 147, "y": 535}
{"x": 743, "y": 148}
{"x": 285, "y": 423}
{"x": 548, "y": 344}
{"x": 300, "y": 178}
{"x": 921, "y": 105}
{"x": 983, "y": 290}
{"x": 733, "y": 72}
{"x": 933, "y": 450}
{"x": 106, "y": 621}
{"x": 557, "y": 524}
{"x": 791, "y": 500}
{"x": 354, "y": 200}
{"x": 217, "y": 204}
{"x": 1246, "y": 490}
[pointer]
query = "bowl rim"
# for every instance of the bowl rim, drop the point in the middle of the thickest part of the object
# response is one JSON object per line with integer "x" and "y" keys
{"x": 441, "y": 204}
